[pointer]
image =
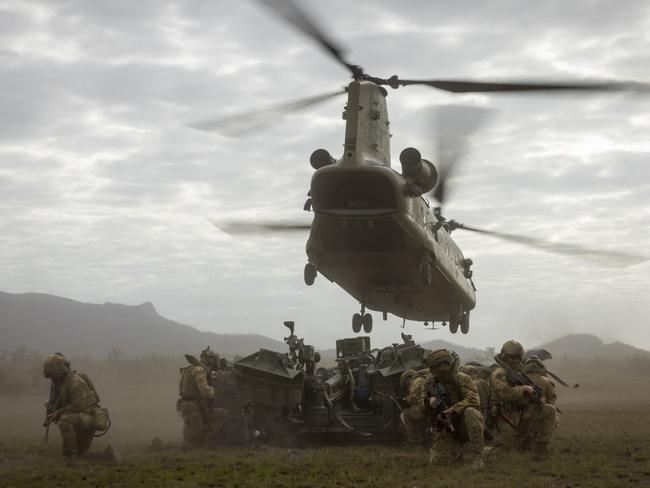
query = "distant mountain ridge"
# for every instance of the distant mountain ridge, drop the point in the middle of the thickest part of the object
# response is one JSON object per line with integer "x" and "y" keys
{"x": 590, "y": 346}
{"x": 47, "y": 323}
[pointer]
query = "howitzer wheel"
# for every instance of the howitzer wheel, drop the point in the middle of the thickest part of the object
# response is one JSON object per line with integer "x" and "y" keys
{"x": 357, "y": 322}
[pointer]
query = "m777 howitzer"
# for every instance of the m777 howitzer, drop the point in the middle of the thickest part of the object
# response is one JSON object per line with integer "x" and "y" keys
{"x": 50, "y": 408}
{"x": 290, "y": 399}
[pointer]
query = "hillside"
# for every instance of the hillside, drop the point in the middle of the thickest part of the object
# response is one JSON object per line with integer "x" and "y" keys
{"x": 46, "y": 323}
{"x": 587, "y": 346}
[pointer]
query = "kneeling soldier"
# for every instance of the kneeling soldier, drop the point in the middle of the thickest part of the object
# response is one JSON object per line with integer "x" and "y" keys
{"x": 453, "y": 402}
{"x": 520, "y": 409}
{"x": 414, "y": 417}
{"x": 74, "y": 406}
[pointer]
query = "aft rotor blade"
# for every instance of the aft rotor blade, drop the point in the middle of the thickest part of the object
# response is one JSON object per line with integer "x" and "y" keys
{"x": 259, "y": 227}
{"x": 455, "y": 124}
{"x": 298, "y": 17}
{"x": 608, "y": 258}
{"x": 464, "y": 86}
{"x": 245, "y": 122}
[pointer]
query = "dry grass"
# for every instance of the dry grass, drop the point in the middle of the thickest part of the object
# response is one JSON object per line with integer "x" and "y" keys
{"x": 603, "y": 441}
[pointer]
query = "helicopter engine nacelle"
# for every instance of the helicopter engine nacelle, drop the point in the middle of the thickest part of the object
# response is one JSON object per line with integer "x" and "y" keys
{"x": 321, "y": 158}
{"x": 418, "y": 171}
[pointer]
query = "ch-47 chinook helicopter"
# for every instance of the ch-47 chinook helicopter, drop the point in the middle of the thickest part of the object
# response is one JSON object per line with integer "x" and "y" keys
{"x": 374, "y": 232}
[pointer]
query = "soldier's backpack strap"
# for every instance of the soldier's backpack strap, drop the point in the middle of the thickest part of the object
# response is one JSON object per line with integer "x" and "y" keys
{"x": 84, "y": 377}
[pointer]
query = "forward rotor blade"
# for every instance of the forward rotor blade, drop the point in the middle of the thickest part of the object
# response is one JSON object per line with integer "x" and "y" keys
{"x": 608, "y": 258}
{"x": 462, "y": 86}
{"x": 455, "y": 125}
{"x": 241, "y": 123}
{"x": 298, "y": 17}
{"x": 237, "y": 228}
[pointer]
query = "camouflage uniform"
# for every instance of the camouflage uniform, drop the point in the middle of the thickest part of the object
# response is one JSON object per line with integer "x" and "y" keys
{"x": 515, "y": 415}
{"x": 466, "y": 443}
{"x": 535, "y": 368}
{"x": 414, "y": 418}
{"x": 202, "y": 421}
{"x": 482, "y": 387}
{"x": 76, "y": 410}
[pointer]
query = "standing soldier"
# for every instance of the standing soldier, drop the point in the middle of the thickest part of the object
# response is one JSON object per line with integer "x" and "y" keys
{"x": 74, "y": 406}
{"x": 202, "y": 421}
{"x": 453, "y": 401}
{"x": 414, "y": 418}
{"x": 520, "y": 412}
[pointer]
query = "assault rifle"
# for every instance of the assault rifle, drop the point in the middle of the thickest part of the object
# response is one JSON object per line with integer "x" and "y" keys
{"x": 440, "y": 420}
{"x": 50, "y": 408}
{"x": 519, "y": 378}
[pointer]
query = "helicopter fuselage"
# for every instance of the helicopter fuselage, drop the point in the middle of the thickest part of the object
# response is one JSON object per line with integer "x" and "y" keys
{"x": 381, "y": 243}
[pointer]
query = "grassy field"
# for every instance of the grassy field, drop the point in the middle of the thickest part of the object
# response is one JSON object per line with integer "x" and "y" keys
{"x": 603, "y": 441}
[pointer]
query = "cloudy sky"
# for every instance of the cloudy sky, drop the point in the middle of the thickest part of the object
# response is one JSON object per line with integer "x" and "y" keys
{"x": 106, "y": 191}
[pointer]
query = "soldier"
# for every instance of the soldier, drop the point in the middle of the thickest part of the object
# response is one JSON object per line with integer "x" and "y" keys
{"x": 416, "y": 422}
{"x": 453, "y": 398}
{"x": 517, "y": 412}
{"x": 535, "y": 368}
{"x": 202, "y": 421}
{"x": 482, "y": 385}
{"x": 74, "y": 406}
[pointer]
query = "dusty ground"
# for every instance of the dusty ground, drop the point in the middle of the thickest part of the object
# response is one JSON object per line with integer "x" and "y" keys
{"x": 603, "y": 440}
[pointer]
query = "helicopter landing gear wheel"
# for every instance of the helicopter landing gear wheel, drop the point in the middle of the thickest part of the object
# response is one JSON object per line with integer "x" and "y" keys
{"x": 367, "y": 323}
{"x": 454, "y": 322}
{"x": 310, "y": 274}
{"x": 426, "y": 270}
{"x": 357, "y": 322}
{"x": 464, "y": 323}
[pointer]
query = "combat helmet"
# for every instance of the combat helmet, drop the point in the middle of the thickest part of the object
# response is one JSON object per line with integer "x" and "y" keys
{"x": 56, "y": 366}
{"x": 442, "y": 360}
{"x": 534, "y": 365}
{"x": 470, "y": 370}
{"x": 210, "y": 358}
{"x": 512, "y": 349}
